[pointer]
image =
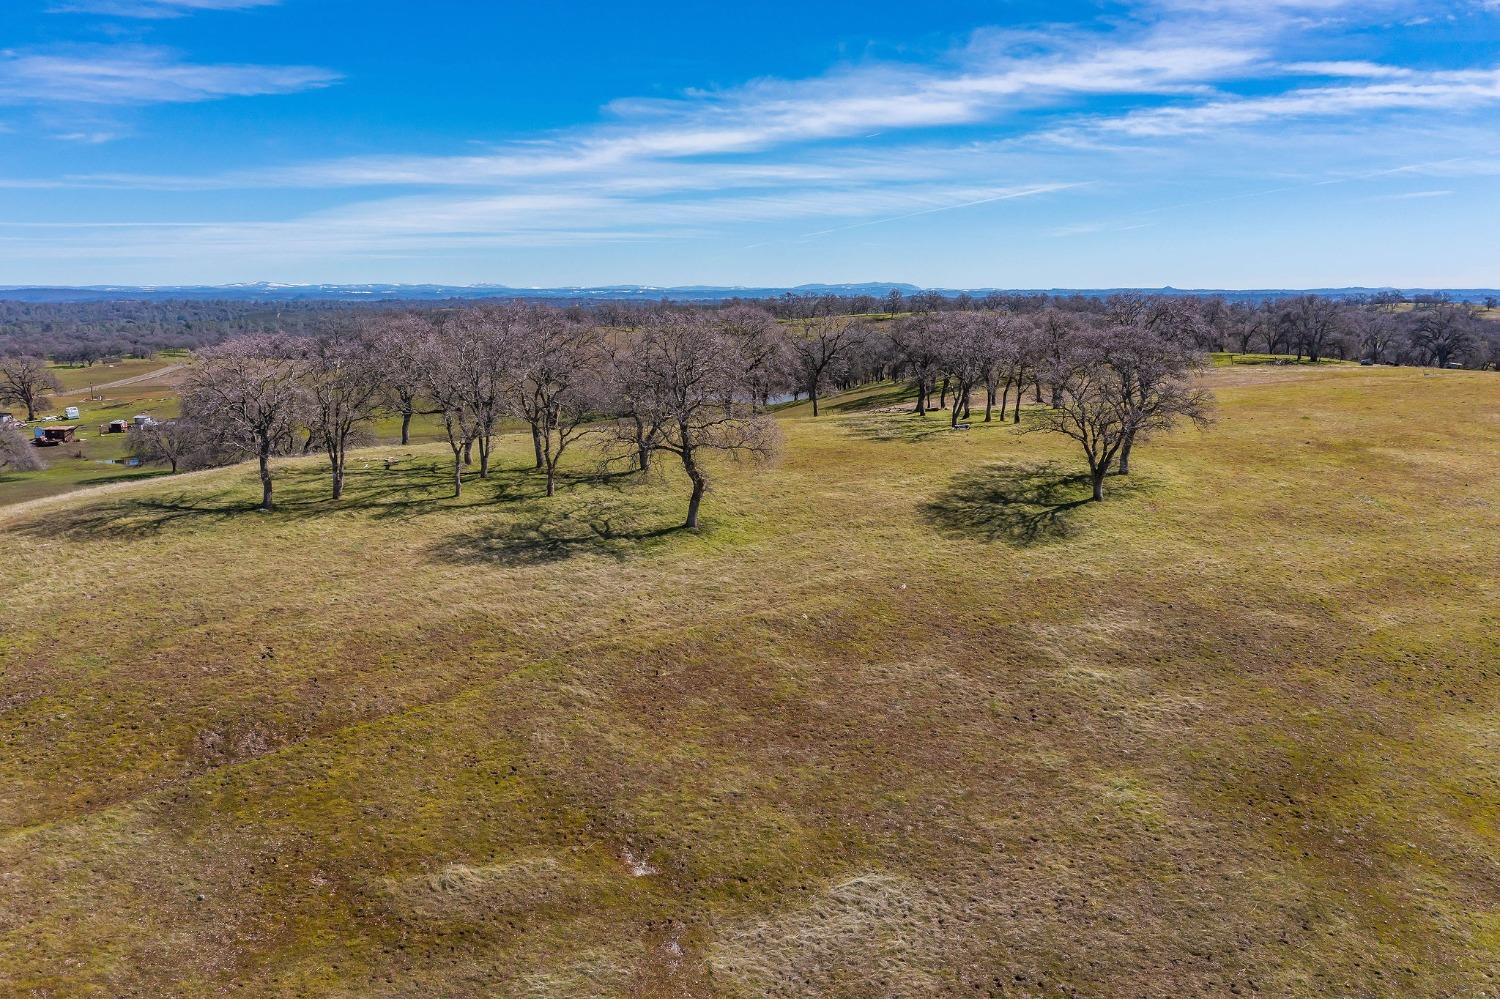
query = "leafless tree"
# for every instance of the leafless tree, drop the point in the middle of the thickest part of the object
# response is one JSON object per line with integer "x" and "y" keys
{"x": 763, "y": 348}
{"x": 687, "y": 382}
{"x": 16, "y": 452}
{"x": 446, "y": 358}
{"x": 1311, "y": 323}
{"x": 1100, "y": 403}
{"x": 28, "y": 381}
{"x": 247, "y": 391}
{"x": 915, "y": 344}
{"x": 819, "y": 350}
{"x": 1053, "y": 352}
{"x": 638, "y": 419}
{"x": 1251, "y": 326}
{"x": 966, "y": 350}
{"x": 1378, "y": 332}
{"x": 179, "y": 444}
{"x": 1442, "y": 332}
{"x": 398, "y": 343}
{"x": 1155, "y": 367}
{"x": 345, "y": 381}
{"x": 555, "y": 381}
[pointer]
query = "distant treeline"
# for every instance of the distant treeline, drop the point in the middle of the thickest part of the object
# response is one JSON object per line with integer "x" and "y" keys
{"x": 1382, "y": 328}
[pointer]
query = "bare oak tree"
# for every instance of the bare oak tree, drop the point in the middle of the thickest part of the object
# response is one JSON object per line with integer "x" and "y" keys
{"x": 345, "y": 381}
{"x": 1100, "y": 403}
{"x": 819, "y": 350}
{"x": 28, "y": 381}
{"x": 446, "y": 358}
{"x": 686, "y": 381}
{"x": 1311, "y": 322}
{"x": 398, "y": 343}
{"x": 763, "y": 348}
{"x": 248, "y": 392}
{"x": 180, "y": 444}
{"x": 16, "y": 452}
{"x": 1442, "y": 332}
{"x": 555, "y": 381}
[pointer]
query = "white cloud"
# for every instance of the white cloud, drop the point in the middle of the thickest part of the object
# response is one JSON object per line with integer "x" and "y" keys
{"x": 155, "y": 9}
{"x": 126, "y": 75}
{"x": 772, "y": 152}
{"x": 1439, "y": 91}
{"x": 1347, "y": 68}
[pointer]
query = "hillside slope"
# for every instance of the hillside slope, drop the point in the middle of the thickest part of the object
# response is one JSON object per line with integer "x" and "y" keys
{"x": 903, "y": 721}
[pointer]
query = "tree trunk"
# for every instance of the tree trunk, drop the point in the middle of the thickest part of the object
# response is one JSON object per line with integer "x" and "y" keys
{"x": 943, "y": 394}
{"x": 989, "y": 403}
{"x": 484, "y": 457}
{"x": 405, "y": 427}
{"x": 551, "y": 461}
{"x": 536, "y": 444}
{"x": 458, "y": 474}
{"x": 813, "y": 395}
{"x": 1098, "y": 476}
{"x": 468, "y": 452}
{"x": 695, "y": 502}
{"x": 1125, "y": 454}
{"x": 265, "y": 482}
{"x": 338, "y": 478}
{"x": 643, "y": 453}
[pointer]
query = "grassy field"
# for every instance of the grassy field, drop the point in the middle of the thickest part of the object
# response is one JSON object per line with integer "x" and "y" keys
{"x": 1226, "y": 359}
{"x": 80, "y": 378}
{"x": 153, "y": 389}
{"x": 94, "y": 460}
{"x": 906, "y": 719}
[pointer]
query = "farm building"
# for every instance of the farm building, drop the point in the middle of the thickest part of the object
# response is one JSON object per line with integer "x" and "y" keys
{"x": 115, "y": 427}
{"x": 53, "y": 436}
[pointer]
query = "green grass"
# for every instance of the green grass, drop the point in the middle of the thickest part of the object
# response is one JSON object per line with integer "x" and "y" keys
{"x": 89, "y": 461}
{"x": 1226, "y": 359}
{"x": 905, "y": 719}
{"x": 77, "y": 377}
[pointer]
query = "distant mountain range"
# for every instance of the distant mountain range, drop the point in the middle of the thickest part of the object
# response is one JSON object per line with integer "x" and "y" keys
{"x": 269, "y": 292}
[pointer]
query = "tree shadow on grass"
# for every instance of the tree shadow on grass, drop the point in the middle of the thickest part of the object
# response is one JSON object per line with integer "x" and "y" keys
{"x": 900, "y": 427}
{"x": 1017, "y": 504}
{"x": 553, "y": 534}
{"x": 130, "y": 519}
{"x": 399, "y": 492}
{"x": 299, "y": 494}
{"x": 894, "y": 395}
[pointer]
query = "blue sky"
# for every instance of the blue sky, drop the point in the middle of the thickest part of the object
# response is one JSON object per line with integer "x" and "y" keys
{"x": 1224, "y": 143}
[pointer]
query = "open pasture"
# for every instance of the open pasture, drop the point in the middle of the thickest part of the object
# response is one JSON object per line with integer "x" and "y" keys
{"x": 907, "y": 718}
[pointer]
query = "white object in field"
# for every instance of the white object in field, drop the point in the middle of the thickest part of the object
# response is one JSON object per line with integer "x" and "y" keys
{"x": 71, "y": 412}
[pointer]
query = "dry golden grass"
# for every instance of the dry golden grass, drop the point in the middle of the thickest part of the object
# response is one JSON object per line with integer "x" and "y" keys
{"x": 905, "y": 720}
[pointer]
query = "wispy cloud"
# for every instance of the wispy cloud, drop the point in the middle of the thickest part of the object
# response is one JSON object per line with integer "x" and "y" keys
{"x": 1414, "y": 196}
{"x": 138, "y": 74}
{"x": 1434, "y": 91}
{"x": 1056, "y": 114}
{"x": 155, "y": 9}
